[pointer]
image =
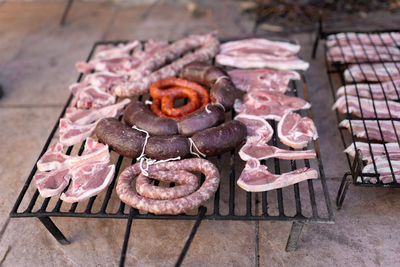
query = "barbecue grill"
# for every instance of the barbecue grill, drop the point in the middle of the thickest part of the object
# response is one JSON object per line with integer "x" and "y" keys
{"x": 336, "y": 79}
{"x": 298, "y": 203}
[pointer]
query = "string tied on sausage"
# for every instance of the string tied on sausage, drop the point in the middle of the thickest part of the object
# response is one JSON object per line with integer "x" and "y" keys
{"x": 192, "y": 144}
{"x": 219, "y": 104}
{"x": 220, "y": 78}
{"x": 145, "y": 140}
{"x": 149, "y": 162}
{"x": 148, "y": 102}
{"x": 206, "y": 108}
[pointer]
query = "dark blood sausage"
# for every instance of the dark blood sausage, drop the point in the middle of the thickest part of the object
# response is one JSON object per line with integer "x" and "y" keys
{"x": 140, "y": 115}
{"x": 222, "y": 90}
{"x": 120, "y": 137}
{"x": 209, "y": 116}
{"x": 165, "y": 147}
{"x": 220, "y": 139}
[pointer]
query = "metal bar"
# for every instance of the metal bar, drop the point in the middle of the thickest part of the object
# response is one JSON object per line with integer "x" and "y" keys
{"x": 126, "y": 238}
{"x": 66, "y": 11}
{"x": 344, "y": 185}
{"x": 53, "y": 229}
{"x": 294, "y": 236}
{"x": 200, "y": 216}
{"x": 232, "y": 185}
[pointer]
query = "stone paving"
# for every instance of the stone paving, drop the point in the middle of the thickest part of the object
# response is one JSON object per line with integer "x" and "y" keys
{"x": 37, "y": 59}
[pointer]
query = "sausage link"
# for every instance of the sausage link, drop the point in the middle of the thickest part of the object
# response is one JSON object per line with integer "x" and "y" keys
{"x": 167, "y": 102}
{"x": 166, "y": 147}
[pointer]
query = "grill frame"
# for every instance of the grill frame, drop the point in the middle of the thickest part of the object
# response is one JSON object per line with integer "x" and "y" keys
{"x": 254, "y": 210}
{"x": 335, "y": 71}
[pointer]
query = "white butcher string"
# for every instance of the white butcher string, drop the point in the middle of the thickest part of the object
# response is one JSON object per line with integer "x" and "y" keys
{"x": 142, "y": 158}
{"x": 206, "y": 108}
{"x": 221, "y": 78}
{"x": 222, "y": 106}
{"x": 149, "y": 162}
{"x": 192, "y": 144}
{"x": 148, "y": 102}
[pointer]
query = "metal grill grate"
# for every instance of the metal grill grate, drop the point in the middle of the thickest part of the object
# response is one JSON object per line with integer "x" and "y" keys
{"x": 298, "y": 203}
{"x": 336, "y": 79}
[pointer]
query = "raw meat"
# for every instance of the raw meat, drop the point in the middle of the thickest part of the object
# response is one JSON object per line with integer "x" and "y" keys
{"x": 295, "y": 131}
{"x": 147, "y": 73}
{"x": 54, "y": 159}
{"x": 265, "y": 79}
{"x": 379, "y": 39}
{"x": 378, "y": 91}
{"x": 63, "y": 168}
{"x": 260, "y": 60}
{"x": 383, "y": 168}
{"x": 86, "y": 116}
{"x": 92, "y": 97}
{"x": 389, "y": 133}
{"x": 269, "y": 105}
{"x": 104, "y": 80}
{"x": 88, "y": 180}
{"x": 357, "y": 53}
{"x": 51, "y": 183}
{"x": 376, "y": 72}
{"x": 256, "y": 178}
{"x": 258, "y": 129}
{"x": 260, "y": 45}
{"x": 72, "y": 133}
{"x": 262, "y": 151}
{"x": 367, "y": 107}
{"x": 378, "y": 151}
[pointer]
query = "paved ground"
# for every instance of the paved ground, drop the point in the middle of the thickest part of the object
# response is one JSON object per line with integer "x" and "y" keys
{"x": 37, "y": 63}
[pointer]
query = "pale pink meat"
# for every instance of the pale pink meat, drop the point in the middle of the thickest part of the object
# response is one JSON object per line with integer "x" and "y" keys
{"x": 260, "y": 45}
{"x": 384, "y": 171}
{"x": 72, "y": 133}
{"x": 256, "y": 178}
{"x": 262, "y": 151}
{"x": 258, "y": 129}
{"x": 295, "y": 131}
{"x": 260, "y": 60}
{"x": 357, "y": 53}
{"x": 380, "y": 91}
{"x": 52, "y": 159}
{"x": 92, "y": 97}
{"x": 368, "y": 107}
{"x": 263, "y": 79}
{"x": 51, "y": 183}
{"x": 269, "y": 105}
{"x": 377, "y": 39}
{"x": 88, "y": 180}
{"x": 86, "y": 116}
{"x": 376, "y": 72}
{"x": 378, "y": 151}
{"x": 388, "y": 132}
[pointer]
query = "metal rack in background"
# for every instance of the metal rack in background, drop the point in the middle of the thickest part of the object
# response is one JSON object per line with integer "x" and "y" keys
{"x": 336, "y": 79}
{"x": 272, "y": 205}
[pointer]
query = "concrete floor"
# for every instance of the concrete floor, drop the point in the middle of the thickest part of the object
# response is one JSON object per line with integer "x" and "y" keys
{"x": 37, "y": 59}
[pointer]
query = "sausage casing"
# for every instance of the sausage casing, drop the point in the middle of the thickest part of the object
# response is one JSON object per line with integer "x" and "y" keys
{"x": 207, "y": 117}
{"x": 121, "y": 138}
{"x": 166, "y": 147}
{"x": 140, "y": 115}
{"x": 217, "y": 140}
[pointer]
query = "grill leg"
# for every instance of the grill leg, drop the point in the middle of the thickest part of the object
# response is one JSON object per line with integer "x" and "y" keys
{"x": 202, "y": 212}
{"x": 126, "y": 238}
{"x": 294, "y": 236}
{"x": 66, "y": 11}
{"x": 53, "y": 229}
{"x": 344, "y": 185}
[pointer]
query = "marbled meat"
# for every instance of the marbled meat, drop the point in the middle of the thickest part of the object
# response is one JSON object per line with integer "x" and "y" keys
{"x": 380, "y": 91}
{"x": 372, "y": 72}
{"x": 378, "y": 151}
{"x": 258, "y": 129}
{"x": 389, "y": 134}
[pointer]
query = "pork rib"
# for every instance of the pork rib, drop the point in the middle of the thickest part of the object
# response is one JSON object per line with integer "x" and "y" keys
{"x": 256, "y": 178}
{"x": 383, "y": 169}
{"x": 367, "y": 107}
{"x": 92, "y": 97}
{"x": 388, "y": 132}
{"x": 262, "y": 151}
{"x": 263, "y": 79}
{"x": 378, "y": 91}
{"x": 72, "y": 133}
{"x": 258, "y": 129}
{"x": 376, "y": 72}
{"x": 378, "y": 151}
{"x": 357, "y": 53}
{"x": 295, "y": 131}
{"x": 352, "y": 38}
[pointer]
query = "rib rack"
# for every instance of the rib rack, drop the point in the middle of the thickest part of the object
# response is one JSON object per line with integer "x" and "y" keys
{"x": 298, "y": 203}
{"x": 335, "y": 71}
